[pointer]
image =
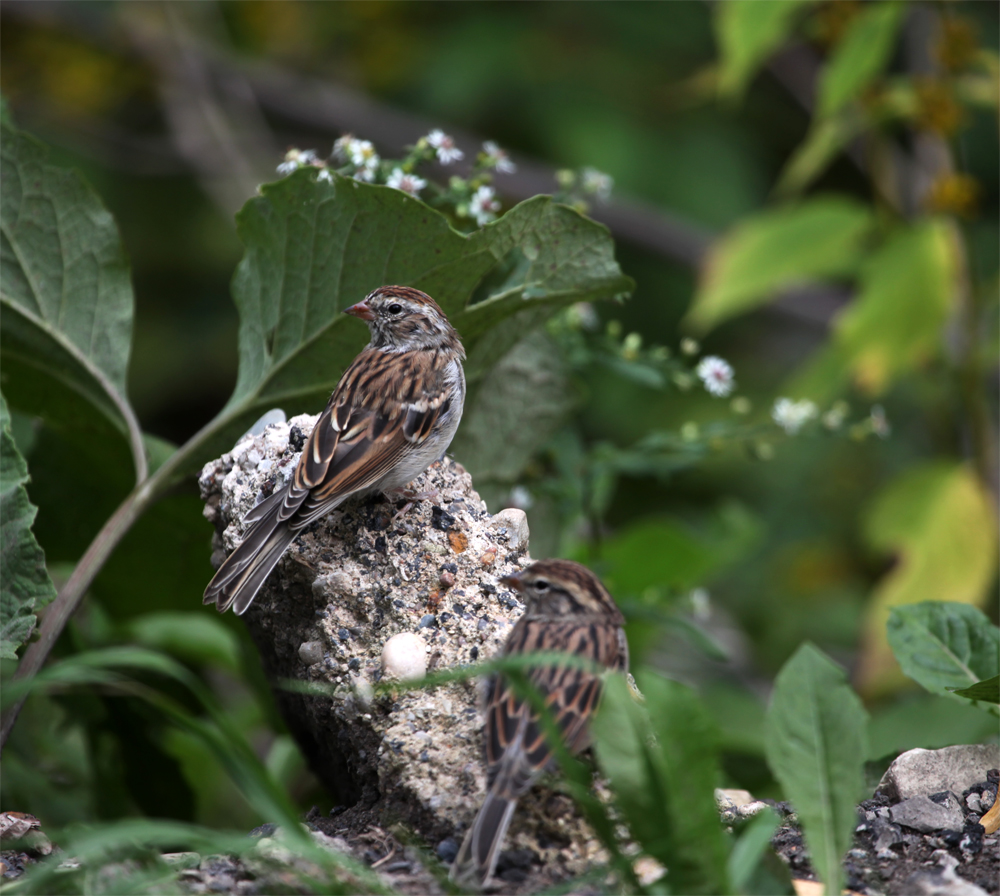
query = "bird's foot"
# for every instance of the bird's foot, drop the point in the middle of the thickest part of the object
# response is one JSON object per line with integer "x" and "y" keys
{"x": 411, "y": 497}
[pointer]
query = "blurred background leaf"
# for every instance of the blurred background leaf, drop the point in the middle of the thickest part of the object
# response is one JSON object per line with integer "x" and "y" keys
{"x": 941, "y": 526}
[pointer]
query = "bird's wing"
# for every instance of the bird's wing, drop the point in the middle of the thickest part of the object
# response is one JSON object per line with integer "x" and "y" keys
{"x": 571, "y": 695}
{"x": 383, "y": 406}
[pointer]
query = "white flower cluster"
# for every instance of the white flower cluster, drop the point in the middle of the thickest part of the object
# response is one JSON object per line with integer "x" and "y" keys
{"x": 791, "y": 416}
{"x": 716, "y": 375}
{"x": 360, "y": 153}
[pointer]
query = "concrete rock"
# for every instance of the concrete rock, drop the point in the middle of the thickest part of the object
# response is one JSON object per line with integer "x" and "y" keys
{"x": 926, "y": 815}
{"x": 512, "y": 523}
{"x": 923, "y": 772}
{"x": 350, "y": 583}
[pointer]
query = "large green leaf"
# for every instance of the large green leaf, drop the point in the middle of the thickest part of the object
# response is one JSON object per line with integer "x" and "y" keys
{"x": 816, "y": 746}
{"x": 860, "y": 57}
{"x": 662, "y": 762}
{"x": 944, "y": 645}
{"x": 313, "y": 248}
{"x": 939, "y": 522}
{"x": 747, "y": 34}
{"x": 65, "y": 294}
{"x": 777, "y": 249}
{"x": 25, "y": 585}
{"x": 516, "y": 408}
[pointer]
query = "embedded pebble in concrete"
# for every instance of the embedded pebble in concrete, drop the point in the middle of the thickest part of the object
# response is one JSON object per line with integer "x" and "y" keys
{"x": 404, "y": 657}
{"x": 351, "y": 583}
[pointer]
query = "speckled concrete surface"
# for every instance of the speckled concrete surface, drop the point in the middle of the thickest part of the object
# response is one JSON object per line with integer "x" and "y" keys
{"x": 349, "y": 583}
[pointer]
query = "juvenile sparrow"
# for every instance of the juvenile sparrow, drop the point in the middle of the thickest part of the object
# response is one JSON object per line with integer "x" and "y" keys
{"x": 567, "y": 610}
{"x": 393, "y": 413}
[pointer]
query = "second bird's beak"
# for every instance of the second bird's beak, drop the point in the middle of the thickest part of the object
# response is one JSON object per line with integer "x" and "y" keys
{"x": 361, "y": 311}
{"x": 513, "y": 581}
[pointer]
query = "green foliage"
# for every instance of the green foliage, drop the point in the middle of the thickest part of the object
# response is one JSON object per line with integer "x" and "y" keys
{"x": 940, "y": 523}
{"x": 662, "y": 763}
{"x": 66, "y": 300}
{"x": 313, "y": 248}
{"x": 816, "y": 745}
{"x": 907, "y": 292}
{"x": 747, "y": 34}
{"x": 860, "y": 57}
{"x": 25, "y": 585}
{"x": 946, "y": 646}
{"x": 820, "y": 238}
{"x": 987, "y": 690}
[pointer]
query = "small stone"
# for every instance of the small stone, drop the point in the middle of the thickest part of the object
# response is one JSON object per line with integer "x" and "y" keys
{"x": 974, "y": 802}
{"x": 429, "y": 620}
{"x": 925, "y": 815}
{"x": 515, "y": 521}
{"x": 447, "y": 580}
{"x": 446, "y": 850}
{"x": 311, "y": 652}
{"x": 459, "y": 541}
{"x": 404, "y": 657}
{"x": 487, "y": 559}
{"x": 923, "y": 772}
{"x": 732, "y": 799}
{"x": 441, "y": 519}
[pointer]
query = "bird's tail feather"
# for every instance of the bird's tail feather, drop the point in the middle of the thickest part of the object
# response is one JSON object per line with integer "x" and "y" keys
{"x": 239, "y": 578}
{"x": 477, "y": 859}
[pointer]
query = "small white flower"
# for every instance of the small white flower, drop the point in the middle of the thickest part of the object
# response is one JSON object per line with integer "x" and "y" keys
{"x": 483, "y": 206}
{"x": 447, "y": 152}
{"x": 716, "y": 374}
{"x": 791, "y": 416}
{"x": 341, "y": 147}
{"x": 879, "y": 422}
{"x": 584, "y": 315}
{"x": 325, "y": 175}
{"x": 361, "y": 153}
{"x": 295, "y": 159}
{"x": 597, "y": 183}
{"x": 498, "y": 158}
{"x": 835, "y": 417}
{"x": 408, "y": 183}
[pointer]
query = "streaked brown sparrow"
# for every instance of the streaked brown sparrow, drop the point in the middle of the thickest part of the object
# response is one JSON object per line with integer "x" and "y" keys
{"x": 393, "y": 413}
{"x": 568, "y": 611}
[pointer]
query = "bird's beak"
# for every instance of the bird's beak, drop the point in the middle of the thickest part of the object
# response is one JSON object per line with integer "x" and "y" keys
{"x": 360, "y": 311}
{"x": 513, "y": 581}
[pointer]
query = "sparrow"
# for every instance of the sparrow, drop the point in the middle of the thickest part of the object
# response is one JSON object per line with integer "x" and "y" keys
{"x": 393, "y": 413}
{"x": 567, "y": 610}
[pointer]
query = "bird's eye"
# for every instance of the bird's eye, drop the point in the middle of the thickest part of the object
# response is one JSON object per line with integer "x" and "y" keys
{"x": 541, "y": 585}
{"x": 395, "y": 308}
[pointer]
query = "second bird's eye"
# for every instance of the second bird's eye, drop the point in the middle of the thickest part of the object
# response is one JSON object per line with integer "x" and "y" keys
{"x": 395, "y": 308}
{"x": 541, "y": 585}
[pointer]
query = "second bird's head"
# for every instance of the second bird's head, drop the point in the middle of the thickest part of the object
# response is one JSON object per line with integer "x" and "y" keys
{"x": 401, "y": 318}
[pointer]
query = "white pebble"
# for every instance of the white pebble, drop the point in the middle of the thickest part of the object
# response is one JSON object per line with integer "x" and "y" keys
{"x": 404, "y": 657}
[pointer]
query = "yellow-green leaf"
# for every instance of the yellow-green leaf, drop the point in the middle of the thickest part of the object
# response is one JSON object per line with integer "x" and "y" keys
{"x": 747, "y": 34}
{"x": 775, "y": 250}
{"x": 940, "y": 524}
{"x": 860, "y": 57}
{"x": 907, "y": 291}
